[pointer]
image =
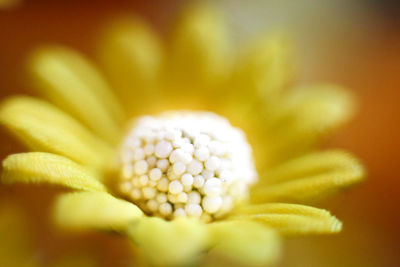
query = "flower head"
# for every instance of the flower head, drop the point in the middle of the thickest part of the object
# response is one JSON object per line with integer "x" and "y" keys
{"x": 187, "y": 181}
{"x": 186, "y": 164}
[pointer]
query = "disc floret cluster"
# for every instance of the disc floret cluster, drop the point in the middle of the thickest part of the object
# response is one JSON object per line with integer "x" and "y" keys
{"x": 192, "y": 164}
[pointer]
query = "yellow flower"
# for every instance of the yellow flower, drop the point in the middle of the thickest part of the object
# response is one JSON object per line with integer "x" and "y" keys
{"x": 77, "y": 138}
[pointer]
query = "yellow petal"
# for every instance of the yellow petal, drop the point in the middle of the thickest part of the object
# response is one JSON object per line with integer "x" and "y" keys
{"x": 319, "y": 107}
{"x": 71, "y": 82}
{"x": 131, "y": 53}
{"x": 290, "y": 219}
{"x": 263, "y": 71}
{"x": 43, "y": 127}
{"x": 170, "y": 243}
{"x": 310, "y": 164}
{"x": 297, "y": 121}
{"x": 311, "y": 176}
{"x": 246, "y": 242}
{"x": 266, "y": 67}
{"x": 94, "y": 210}
{"x": 38, "y": 167}
{"x": 94, "y": 80}
{"x": 201, "y": 51}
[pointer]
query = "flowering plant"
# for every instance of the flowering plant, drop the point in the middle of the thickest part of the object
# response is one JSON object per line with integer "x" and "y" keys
{"x": 185, "y": 181}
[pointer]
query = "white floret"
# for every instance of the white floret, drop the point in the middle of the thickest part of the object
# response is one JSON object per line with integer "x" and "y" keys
{"x": 179, "y": 168}
{"x": 182, "y": 197}
{"x": 162, "y": 186}
{"x": 195, "y": 167}
{"x": 143, "y": 180}
{"x": 212, "y": 204}
{"x": 187, "y": 179}
{"x": 138, "y": 154}
{"x": 155, "y": 174}
{"x": 148, "y": 149}
{"x": 194, "y": 197}
{"x": 198, "y": 181}
{"x": 179, "y": 212}
{"x": 140, "y": 167}
{"x": 162, "y": 164}
{"x": 212, "y": 187}
{"x": 193, "y": 210}
{"x": 152, "y": 205}
{"x": 212, "y": 163}
{"x": 165, "y": 209}
{"x": 161, "y": 198}
{"x": 175, "y": 187}
{"x": 163, "y": 149}
{"x": 202, "y": 153}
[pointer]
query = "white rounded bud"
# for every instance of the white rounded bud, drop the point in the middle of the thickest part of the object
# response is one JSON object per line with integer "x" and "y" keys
{"x": 127, "y": 171}
{"x": 179, "y": 168}
{"x": 216, "y": 148}
{"x": 207, "y": 174}
{"x": 140, "y": 167}
{"x": 212, "y": 163}
{"x": 163, "y": 185}
{"x": 172, "y": 198}
{"x": 163, "y": 149}
{"x": 143, "y": 179}
{"x": 212, "y": 187}
{"x": 151, "y": 161}
{"x": 126, "y": 187}
{"x": 202, "y": 153}
{"x": 188, "y": 147}
{"x": 212, "y": 204}
{"x": 149, "y": 192}
{"x": 187, "y": 179}
{"x": 138, "y": 154}
{"x": 182, "y": 197}
{"x": 161, "y": 198}
{"x": 176, "y": 155}
{"x": 198, "y": 181}
{"x": 148, "y": 149}
{"x": 195, "y": 167}
{"x": 155, "y": 174}
{"x": 136, "y": 182}
{"x": 179, "y": 212}
{"x": 194, "y": 197}
{"x": 152, "y": 205}
{"x": 165, "y": 209}
{"x": 202, "y": 140}
{"x": 193, "y": 210}
{"x": 187, "y": 158}
{"x": 175, "y": 187}
{"x": 136, "y": 194}
{"x": 152, "y": 183}
{"x": 162, "y": 164}
{"x": 178, "y": 143}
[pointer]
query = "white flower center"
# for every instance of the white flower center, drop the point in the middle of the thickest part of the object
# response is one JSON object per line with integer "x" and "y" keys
{"x": 186, "y": 164}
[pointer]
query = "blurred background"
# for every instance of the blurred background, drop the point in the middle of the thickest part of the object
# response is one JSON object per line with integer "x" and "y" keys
{"x": 355, "y": 43}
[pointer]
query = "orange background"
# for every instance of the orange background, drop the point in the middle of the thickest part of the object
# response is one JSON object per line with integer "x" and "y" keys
{"x": 370, "y": 66}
